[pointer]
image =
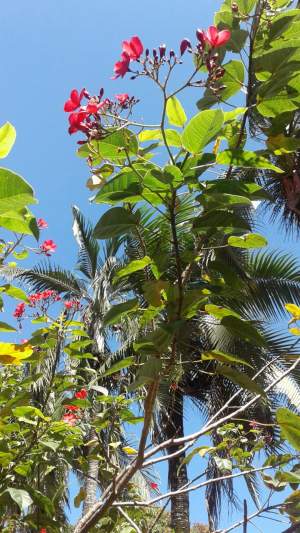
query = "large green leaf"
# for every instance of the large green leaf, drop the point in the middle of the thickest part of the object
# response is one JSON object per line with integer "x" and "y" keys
{"x": 249, "y": 241}
{"x": 15, "y": 192}
{"x": 290, "y": 426}
{"x": 172, "y": 136}
{"x": 7, "y": 139}
{"x": 124, "y": 187}
{"x": 219, "y": 312}
{"x": 14, "y": 292}
{"x": 117, "y": 221}
{"x": 175, "y": 112}
{"x": 6, "y": 327}
{"x": 133, "y": 266}
{"x": 202, "y": 129}
{"x": 222, "y": 357}
{"x": 240, "y": 378}
{"x": 20, "y": 497}
{"x": 242, "y": 329}
{"x": 116, "y": 145}
{"x": 21, "y": 221}
{"x": 117, "y": 311}
{"x": 124, "y": 363}
{"x": 239, "y": 158}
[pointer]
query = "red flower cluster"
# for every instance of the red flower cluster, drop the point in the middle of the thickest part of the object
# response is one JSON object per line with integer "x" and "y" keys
{"x": 81, "y": 120}
{"x": 45, "y": 295}
{"x": 42, "y": 224}
{"x": 19, "y": 311}
{"x": 48, "y": 247}
{"x": 131, "y": 51}
{"x": 70, "y": 419}
{"x": 123, "y": 99}
{"x": 154, "y": 486}
{"x": 72, "y": 304}
{"x": 81, "y": 395}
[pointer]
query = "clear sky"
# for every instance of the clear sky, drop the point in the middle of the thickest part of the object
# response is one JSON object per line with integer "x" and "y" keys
{"x": 49, "y": 47}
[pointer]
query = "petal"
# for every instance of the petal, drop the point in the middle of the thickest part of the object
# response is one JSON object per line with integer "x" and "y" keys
{"x": 126, "y": 48}
{"x": 223, "y": 37}
{"x": 137, "y": 45}
{"x": 212, "y": 35}
{"x": 75, "y": 97}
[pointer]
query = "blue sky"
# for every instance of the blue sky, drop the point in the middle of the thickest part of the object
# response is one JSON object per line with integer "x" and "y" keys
{"x": 50, "y": 47}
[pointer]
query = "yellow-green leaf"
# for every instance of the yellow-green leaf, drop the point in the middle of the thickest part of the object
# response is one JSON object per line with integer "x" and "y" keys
{"x": 175, "y": 112}
{"x": 7, "y": 139}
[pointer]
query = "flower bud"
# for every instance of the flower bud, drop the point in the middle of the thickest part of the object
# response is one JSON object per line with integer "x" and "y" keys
{"x": 162, "y": 50}
{"x": 147, "y": 52}
{"x": 184, "y": 45}
{"x": 201, "y": 36}
{"x": 101, "y": 93}
{"x": 172, "y": 53}
{"x": 154, "y": 53}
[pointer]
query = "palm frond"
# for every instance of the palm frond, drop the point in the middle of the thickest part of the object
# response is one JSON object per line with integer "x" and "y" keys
{"x": 43, "y": 277}
{"x": 88, "y": 246}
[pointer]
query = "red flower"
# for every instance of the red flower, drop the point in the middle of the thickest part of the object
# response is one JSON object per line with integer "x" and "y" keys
{"x": 154, "y": 486}
{"x": 72, "y": 304}
{"x": 48, "y": 247}
{"x": 74, "y": 100}
{"x": 43, "y": 530}
{"x": 81, "y": 395}
{"x": 76, "y": 121}
{"x": 71, "y": 407}
{"x": 216, "y": 38}
{"x": 70, "y": 419}
{"x": 133, "y": 48}
{"x": 42, "y": 224}
{"x": 19, "y": 311}
{"x": 121, "y": 67}
{"x": 122, "y": 99}
{"x": 174, "y": 386}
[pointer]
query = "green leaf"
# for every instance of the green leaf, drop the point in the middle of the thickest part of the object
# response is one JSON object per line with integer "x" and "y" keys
{"x": 124, "y": 187}
{"x": 280, "y": 144}
{"x": 175, "y": 112}
{"x": 125, "y": 363}
{"x": 21, "y": 255}
{"x": 20, "y": 221}
{"x": 133, "y": 266}
{"x": 20, "y": 497}
{"x": 117, "y": 311}
{"x": 240, "y": 378}
{"x": 216, "y": 355}
{"x": 224, "y": 465}
{"x": 6, "y": 327}
{"x": 220, "y": 220}
{"x": 172, "y": 136}
{"x": 232, "y": 80}
{"x": 116, "y": 145}
{"x": 14, "y": 292}
{"x": 242, "y": 329}
{"x": 248, "y": 241}
{"x": 15, "y": 192}
{"x": 7, "y": 139}
{"x": 219, "y": 312}
{"x": 238, "y": 158}
{"x": 115, "y": 222}
{"x": 202, "y": 129}
{"x": 289, "y": 424}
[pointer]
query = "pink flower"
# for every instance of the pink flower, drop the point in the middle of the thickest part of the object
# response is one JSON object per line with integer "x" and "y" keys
{"x": 70, "y": 419}
{"x": 42, "y": 224}
{"x": 19, "y": 311}
{"x": 76, "y": 121}
{"x": 121, "y": 67}
{"x": 24, "y": 341}
{"x": 81, "y": 395}
{"x": 133, "y": 48}
{"x": 154, "y": 486}
{"x": 216, "y": 38}
{"x": 48, "y": 247}
{"x": 71, "y": 407}
{"x": 74, "y": 100}
{"x": 122, "y": 99}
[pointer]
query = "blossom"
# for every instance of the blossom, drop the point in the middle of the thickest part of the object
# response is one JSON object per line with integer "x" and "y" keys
{"x": 153, "y": 485}
{"x": 42, "y": 224}
{"x": 19, "y": 311}
{"x": 24, "y": 341}
{"x": 71, "y": 407}
{"x": 72, "y": 304}
{"x": 122, "y": 99}
{"x": 121, "y": 67}
{"x": 48, "y": 247}
{"x": 184, "y": 45}
{"x": 217, "y": 38}
{"x": 133, "y": 48}
{"x": 81, "y": 395}
{"x": 70, "y": 419}
{"x": 43, "y": 530}
{"x": 74, "y": 100}
{"x": 76, "y": 121}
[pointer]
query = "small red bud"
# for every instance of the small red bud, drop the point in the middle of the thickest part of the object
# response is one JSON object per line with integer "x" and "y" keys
{"x": 101, "y": 93}
{"x": 162, "y": 50}
{"x": 201, "y": 37}
{"x": 184, "y": 45}
{"x": 154, "y": 52}
{"x": 147, "y": 52}
{"x": 172, "y": 53}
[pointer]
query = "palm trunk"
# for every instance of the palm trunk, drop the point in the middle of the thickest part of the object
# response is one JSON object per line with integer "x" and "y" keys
{"x": 180, "y": 508}
{"x": 91, "y": 481}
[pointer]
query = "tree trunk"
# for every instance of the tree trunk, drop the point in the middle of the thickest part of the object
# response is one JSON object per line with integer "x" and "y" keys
{"x": 91, "y": 481}
{"x": 180, "y": 508}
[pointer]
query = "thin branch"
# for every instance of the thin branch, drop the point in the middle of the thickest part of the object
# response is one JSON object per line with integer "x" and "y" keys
{"x": 129, "y": 520}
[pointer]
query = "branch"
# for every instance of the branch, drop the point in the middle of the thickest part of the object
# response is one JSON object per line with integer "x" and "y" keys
{"x": 128, "y": 519}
